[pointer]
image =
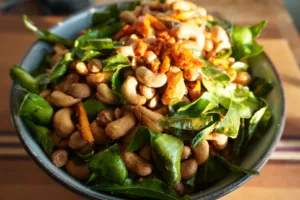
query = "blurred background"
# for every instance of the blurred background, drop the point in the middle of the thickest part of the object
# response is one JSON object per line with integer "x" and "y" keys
{"x": 66, "y": 7}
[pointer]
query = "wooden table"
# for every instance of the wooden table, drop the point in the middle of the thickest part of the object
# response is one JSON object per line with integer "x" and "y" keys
{"x": 20, "y": 178}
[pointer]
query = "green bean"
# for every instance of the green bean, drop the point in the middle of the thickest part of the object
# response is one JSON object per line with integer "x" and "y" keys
{"x": 22, "y": 77}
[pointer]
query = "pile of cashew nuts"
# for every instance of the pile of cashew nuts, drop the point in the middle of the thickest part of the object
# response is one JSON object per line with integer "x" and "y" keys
{"x": 155, "y": 78}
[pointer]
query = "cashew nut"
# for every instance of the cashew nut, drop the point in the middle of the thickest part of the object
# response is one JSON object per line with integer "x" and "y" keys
{"x": 59, "y": 157}
{"x": 76, "y": 141}
{"x": 101, "y": 77}
{"x": 99, "y": 134}
{"x": 106, "y": 95}
{"x": 186, "y": 152}
{"x": 65, "y": 84}
{"x": 105, "y": 117}
{"x": 128, "y": 16}
{"x": 63, "y": 123}
{"x": 78, "y": 170}
{"x": 129, "y": 92}
{"x": 153, "y": 103}
{"x": 243, "y": 78}
{"x": 136, "y": 164}
{"x": 209, "y": 45}
{"x": 183, "y": 6}
{"x": 120, "y": 127}
{"x": 146, "y": 153}
{"x": 60, "y": 99}
{"x": 220, "y": 38}
{"x": 149, "y": 56}
{"x": 81, "y": 68}
{"x": 218, "y": 140}
{"x": 150, "y": 79}
{"x": 94, "y": 65}
{"x": 201, "y": 152}
{"x": 148, "y": 117}
{"x": 147, "y": 92}
{"x": 127, "y": 51}
{"x": 188, "y": 168}
{"x": 188, "y": 31}
{"x": 79, "y": 90}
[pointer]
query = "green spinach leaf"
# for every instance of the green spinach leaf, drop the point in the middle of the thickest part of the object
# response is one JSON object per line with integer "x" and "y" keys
{"x": 150, "y": 188}
{"x": 115, "y": 62}
{"x": 116, "y": 84}
{"x": 60, "y": 69}
{"x": 186, "y": 123}
{"x": 202, "y": 134}
{"x": 22, "y": 77}
{"x": 45, "y": 35}
{"x": 261, "y": 87}
{"x": 235, "y": 168}
{"x": 93, "y": 107}
{"x": 140, "y": 139}
{"x": 111, "y": 14}
{"x": 109, "y": 164}
{"x": 257, "y": 29}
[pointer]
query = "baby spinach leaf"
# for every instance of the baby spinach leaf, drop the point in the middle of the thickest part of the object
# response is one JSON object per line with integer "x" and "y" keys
{"x": 109, "y": 164}
{"x": 202, "y": 134}
{"x": 45, "y": 35}
{"x": 105, "y": 31}
{"x": 206, "y": 102}
{"x": 111, "y": 14}
{"x": 60, "y": 69}
{"x": 240, "y": 66}
{"x": 116, "y": 84}
{"x": 243, "y": 41}
{"x": 241, "y": 141}
{"x": 231, "y": 122}
{"x": 235, "y": 168}
{"x": 140, "y": 139}
{"x": 175, "y": 105}
{"x": 150, "y": 188}
{"x": 79, "y": 44}
{"x": 167, "y": 151}
{"x": 43, "y": 81}
{"x": 92, "y": 178}
{"x": 254, "y": 121}
{"x": 263, "y": 123}
{"x": 100, "y": 44}
{"x": 115, "y": 62}
{"x": 93, "y": 107}
{"x": 185, "y": 135}
{"x": 211, "y": 171}
{"x": 42, "y": 135}
{"x": 261, "y": 87}
{"x": 216, "y": 73}
{"x": 22, "y": 77}
{"x": 256, "y": 29}
{"x": 186, "y": 123}
{"x": 35, "y": 108}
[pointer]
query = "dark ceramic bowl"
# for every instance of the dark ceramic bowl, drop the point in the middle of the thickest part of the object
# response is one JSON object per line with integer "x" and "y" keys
{"x": 257, "y": 154}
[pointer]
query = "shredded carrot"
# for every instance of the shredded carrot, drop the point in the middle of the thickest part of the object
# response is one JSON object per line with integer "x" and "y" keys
{"x": 141, "y": 47}
{"x": 143, "y": 26}
{"x": 84, "y": 125}
{"x": 125, "y": 31}
{"x": 154, "y": 66}
{"x": 165, "y": 66}
{"x": 184, "y": 15}
{"x": 156, "y": 23}
{"x": 175, "y": 87}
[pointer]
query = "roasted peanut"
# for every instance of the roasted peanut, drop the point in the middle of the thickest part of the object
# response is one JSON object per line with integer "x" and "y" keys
{"x": 63, "y": 123}
{"x": 105, "y": 117}
{"x": 106, "y": 95}
{"x": 78, "y": 170}
{"x": 76, "y": 141}
{"x": 243, "y": 78}
{"x": 179, "y": 189}
{"x": 146, "y": 153}
{"x": 129, "y": 92}
{"x": 188, "y": 168}
{"x": 94, "y": 65}
{"x": 201, "y": 152}
{"x": 59, "y": 157}
{"x": 136, "y": 164}
{"x": 80, "y": 90}
{"x": 99, "y": 134}
{"x": 120, "y": 127}
{"x": 66, "y": 83}
{"x": 186, "y": 152}
{"x": 81, "y": 68}
{"x": 94, "y": 80}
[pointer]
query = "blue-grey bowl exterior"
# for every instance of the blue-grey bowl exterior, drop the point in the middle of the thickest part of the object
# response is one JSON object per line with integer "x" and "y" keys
{"x": 257, "y": 153}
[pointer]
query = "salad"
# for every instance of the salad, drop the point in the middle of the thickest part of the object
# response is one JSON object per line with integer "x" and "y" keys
{"x": 155, "y": 100}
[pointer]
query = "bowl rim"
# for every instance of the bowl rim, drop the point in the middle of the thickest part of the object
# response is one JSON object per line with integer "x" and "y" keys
{"x": 87, "y": 193}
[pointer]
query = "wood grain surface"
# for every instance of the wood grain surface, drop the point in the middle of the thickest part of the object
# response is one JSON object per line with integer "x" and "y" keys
{"x": 20, "y": 178}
